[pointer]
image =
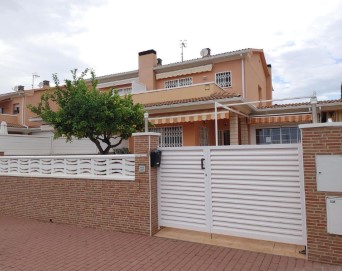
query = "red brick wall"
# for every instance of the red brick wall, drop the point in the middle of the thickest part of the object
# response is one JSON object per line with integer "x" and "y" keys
{"x": 116, "y": 205}
{"x": 143, "y": 144}
{"x": 321, "y": 246}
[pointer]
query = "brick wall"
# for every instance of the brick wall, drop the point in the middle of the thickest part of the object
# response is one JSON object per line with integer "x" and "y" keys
{"x": 116, "y": 205}
{"x": 144, "y": 144}
{"x": 320, "y": 139}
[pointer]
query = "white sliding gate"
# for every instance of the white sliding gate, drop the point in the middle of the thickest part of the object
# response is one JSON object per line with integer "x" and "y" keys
{"x": 252, "y": 191}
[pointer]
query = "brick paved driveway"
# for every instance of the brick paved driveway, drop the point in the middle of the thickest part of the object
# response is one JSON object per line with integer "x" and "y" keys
{"x": 31, "y": 245}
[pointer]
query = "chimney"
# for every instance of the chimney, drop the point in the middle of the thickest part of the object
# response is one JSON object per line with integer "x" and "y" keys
{"x": 159, "y": 62}
{"x": 147, "y": 61}
{"x": 46, "y": 84}
{"x": 20, "y": 88}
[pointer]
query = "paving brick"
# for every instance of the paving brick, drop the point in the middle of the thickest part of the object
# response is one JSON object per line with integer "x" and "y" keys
{"x": 30, "y": 245}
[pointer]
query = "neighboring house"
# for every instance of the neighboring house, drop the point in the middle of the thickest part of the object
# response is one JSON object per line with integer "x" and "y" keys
{"x": 14, "y": 111}
{"x": 180, "y": 99}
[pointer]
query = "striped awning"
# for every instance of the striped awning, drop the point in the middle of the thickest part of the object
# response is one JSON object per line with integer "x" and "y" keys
{"x": 281, "y": 119}
{"x": 199, "y": 69}
{"x": 189, "y": 118}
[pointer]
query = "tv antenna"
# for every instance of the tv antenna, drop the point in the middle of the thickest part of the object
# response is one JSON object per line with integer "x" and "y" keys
{"x": 182, "y": 46}
{"x": 34, "y": 75}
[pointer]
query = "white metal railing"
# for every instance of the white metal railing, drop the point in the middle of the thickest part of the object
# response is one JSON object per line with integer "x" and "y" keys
{"x": 110, "y": 167}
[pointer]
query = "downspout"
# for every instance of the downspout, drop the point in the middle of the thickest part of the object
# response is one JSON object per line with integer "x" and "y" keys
{"x": 243, "y": 76}
{"x": 216, "y": 125}
{"x": 23, "y": 111}
{"x": 313, "y": 102}
{"x": 149, "y": 182}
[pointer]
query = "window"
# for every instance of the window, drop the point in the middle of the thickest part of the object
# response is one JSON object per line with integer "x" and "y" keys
{"x": 2, "y": 110}
{"x": 170, "y": 136}
{"x": 178, "y": 82}
{"x": 123, "y": 91}
{"x": 185, "y": 82}
{"x": 282, "y": 135}
{"x": 223, "y": 137}
{"x": 223, "y": 79}
{"x": 204, "y": 136}
{"x": 171, "y": 84}
{"x": 16, "y": 108}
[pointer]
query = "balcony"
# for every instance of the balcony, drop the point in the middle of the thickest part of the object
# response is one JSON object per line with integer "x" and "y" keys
{"x": 9, "y": 118}
{"x": 179, "y": 93}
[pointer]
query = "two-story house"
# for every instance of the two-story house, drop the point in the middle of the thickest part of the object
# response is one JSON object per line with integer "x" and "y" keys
{"x": 180, "y": 97}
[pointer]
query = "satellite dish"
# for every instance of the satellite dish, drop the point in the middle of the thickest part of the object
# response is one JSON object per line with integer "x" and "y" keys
{"x": 205, "y": 52}
{"x": 40, "y": 84}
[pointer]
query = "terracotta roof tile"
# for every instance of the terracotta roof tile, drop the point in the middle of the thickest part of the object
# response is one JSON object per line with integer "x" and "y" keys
{"x": 234, "y": 52}
{"x": 14, "y": 125}
{"x": 283, "y": 105}
{"x": 299, "y": 104}
{"x": 214, "y": 96}
{"x": 330, "y": 101}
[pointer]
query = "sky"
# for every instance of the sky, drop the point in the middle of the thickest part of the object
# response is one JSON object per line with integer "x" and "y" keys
{"x": 302, "y": 40}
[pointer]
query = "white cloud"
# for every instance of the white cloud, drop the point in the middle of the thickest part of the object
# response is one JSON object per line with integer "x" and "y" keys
{"x": 312, "y": 61}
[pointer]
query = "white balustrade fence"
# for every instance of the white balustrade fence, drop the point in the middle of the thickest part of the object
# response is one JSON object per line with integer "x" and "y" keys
{"x": 110, "y": 167}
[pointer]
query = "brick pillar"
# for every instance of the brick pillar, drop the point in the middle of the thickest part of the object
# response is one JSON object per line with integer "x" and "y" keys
{"x": 244, "y": 131}
{"x": 234, "y": 128}
{"x": 323, "y": 139}
{"x": 147, "y": 176}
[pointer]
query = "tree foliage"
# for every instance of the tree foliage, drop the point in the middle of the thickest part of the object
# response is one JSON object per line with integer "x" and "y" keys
{"x": 85, "y": 112}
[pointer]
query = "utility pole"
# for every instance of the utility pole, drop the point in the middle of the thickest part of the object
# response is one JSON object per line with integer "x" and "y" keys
{"x": 182, "y": 46}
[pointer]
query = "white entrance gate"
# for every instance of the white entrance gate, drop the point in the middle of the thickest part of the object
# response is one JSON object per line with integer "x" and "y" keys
{"x": 247, "y": 191}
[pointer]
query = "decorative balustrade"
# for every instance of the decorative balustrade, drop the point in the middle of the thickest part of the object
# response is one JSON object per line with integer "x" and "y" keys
{"x": 110, "y": 167}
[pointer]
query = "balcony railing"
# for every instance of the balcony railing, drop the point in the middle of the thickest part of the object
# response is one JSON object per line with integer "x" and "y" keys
{"x": 9, "y": 118}
{"x": 110, "y": 167}
{"x": 177, "y": 93}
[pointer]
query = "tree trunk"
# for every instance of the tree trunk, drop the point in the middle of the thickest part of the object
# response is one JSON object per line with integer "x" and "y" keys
{"x": 98, "y": 145}
{"x": 106, "y": 141}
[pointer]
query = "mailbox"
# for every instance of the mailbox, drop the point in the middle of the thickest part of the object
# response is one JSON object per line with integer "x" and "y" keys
{"x": 155, "y": 158}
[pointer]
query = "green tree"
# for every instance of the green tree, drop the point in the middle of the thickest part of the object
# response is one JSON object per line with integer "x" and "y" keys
{"x": 85, "y": 112}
